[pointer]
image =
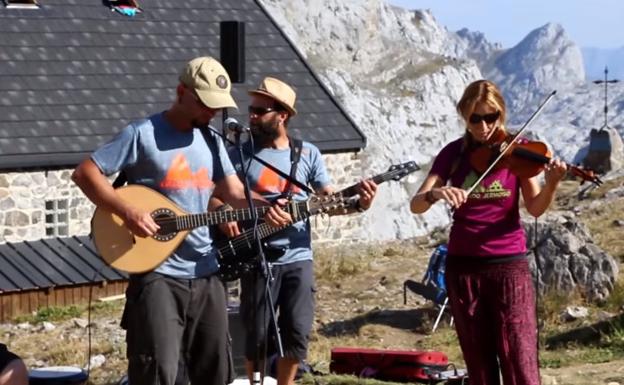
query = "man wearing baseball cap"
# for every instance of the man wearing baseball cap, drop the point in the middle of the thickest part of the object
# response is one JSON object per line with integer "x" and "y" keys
{"x": 178, "y": 308}
{"x": 292, "y": 288}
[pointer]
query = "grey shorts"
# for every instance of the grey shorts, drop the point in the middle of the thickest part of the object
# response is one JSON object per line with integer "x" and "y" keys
{"x": 167, "y": 317}
{"x": 293, "y": 297}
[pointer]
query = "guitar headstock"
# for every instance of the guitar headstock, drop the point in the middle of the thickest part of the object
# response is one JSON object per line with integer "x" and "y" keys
{"x": 323, "y": 204}
{"x": 398, "y": 171}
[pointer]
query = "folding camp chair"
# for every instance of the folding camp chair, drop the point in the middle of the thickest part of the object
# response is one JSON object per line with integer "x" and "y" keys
{"x": 432, "y": 286}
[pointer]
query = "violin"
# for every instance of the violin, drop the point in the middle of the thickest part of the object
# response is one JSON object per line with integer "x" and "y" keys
{"x": 537, "y": 154}
{"x": 523, "y": 158}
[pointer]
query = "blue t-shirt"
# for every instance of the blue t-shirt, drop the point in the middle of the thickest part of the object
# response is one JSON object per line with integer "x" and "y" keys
{"x": 180, "y": 165}
{"x": 294, "y": 241}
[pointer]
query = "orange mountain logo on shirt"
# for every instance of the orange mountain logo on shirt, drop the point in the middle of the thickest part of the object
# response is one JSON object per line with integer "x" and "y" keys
{"x": 179, "y": 176}
{"x": 270, "y": 182}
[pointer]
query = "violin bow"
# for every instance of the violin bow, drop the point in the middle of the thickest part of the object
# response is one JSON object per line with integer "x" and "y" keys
{"x": 512, "y": 141}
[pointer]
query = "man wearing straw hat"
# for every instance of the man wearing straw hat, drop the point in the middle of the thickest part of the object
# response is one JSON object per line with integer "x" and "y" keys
{"x": 180, "y": 307}
{"x": 292, "y": 290}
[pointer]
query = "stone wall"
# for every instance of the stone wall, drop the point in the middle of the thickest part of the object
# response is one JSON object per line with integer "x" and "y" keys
{"x": 28, "y": 198}
{"x": 23, "y": 197}
{"x": 345, "y": 170}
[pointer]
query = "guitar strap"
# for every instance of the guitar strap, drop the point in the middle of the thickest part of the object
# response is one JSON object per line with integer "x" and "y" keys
{"x": 120, "y": 180}
{"x": 296, "y": 145}
{"x": 295, "y": 154}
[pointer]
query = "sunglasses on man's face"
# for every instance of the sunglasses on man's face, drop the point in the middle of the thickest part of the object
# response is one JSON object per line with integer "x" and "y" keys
{"x": 259, "y": 111}
{"x": 487, "y": 118}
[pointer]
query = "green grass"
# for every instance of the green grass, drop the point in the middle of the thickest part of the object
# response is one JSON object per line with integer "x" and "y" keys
{"x": 55, "y": 314}
{"x": 616, "y": 299}
{"x": 333, "y": 265}
{"x": 574, "y": 355}
{"x": 50, "y": 314}
{"x": 335, "y": 379}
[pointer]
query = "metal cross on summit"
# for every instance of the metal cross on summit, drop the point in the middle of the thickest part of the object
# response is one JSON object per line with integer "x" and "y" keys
{"x": 606, "y": 81}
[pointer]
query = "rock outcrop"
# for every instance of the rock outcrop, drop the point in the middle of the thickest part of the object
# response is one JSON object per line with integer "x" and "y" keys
{"x": 567, "y": 258}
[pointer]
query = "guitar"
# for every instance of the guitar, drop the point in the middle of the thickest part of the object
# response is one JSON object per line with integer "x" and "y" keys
{"x": 121, "y": 249}
{"x": 237, "y": 255}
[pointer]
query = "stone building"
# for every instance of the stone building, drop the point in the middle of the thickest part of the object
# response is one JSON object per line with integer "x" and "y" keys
{"x": 73, "y": 73}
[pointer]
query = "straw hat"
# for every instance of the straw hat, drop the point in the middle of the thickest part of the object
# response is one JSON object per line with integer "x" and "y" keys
{"x": 279, "y": 91}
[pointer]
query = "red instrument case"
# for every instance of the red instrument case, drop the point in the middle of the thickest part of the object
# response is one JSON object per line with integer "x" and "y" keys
{"x": 389, "y": 365}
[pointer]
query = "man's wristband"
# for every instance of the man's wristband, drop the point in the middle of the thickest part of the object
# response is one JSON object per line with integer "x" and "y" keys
{"x": 429, "y": 197}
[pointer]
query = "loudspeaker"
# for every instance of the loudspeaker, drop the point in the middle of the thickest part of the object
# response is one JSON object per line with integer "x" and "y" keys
{"x": 233, "y": 49}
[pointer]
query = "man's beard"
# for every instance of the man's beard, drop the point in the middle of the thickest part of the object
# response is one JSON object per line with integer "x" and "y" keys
{"x": 265, "y": 131}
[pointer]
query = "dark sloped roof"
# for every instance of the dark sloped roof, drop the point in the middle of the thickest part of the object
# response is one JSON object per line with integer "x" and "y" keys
{"x": 52, "y": 262}
{"x": 73, "y": 73}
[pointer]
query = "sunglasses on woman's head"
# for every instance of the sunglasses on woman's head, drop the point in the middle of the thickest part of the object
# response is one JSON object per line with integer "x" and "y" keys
{"x": 488, "y": 118}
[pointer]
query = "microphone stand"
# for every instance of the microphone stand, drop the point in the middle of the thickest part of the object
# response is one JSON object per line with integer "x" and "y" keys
{"x": 264, "y": 270}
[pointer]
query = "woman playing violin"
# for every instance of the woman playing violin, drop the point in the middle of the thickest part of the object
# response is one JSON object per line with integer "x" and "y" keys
{"x": 487, "y": 274}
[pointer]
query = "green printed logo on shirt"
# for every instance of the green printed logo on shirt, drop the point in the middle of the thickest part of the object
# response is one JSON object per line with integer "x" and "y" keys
{"x": 494, "y": 190}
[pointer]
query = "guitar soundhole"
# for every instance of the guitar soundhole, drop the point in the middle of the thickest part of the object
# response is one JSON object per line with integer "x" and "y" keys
{"x": 166, "y": 219}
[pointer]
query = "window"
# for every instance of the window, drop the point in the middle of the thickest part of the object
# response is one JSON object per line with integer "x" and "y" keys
{"x": 21, "y": 4}
{"x": 56, "y": 217}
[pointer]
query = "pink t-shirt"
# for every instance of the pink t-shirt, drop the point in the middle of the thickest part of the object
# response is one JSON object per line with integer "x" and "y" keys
{"x": 488, "y": 223}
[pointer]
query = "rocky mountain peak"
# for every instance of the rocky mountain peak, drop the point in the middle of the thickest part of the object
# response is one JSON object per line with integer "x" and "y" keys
{"x": 546, "y": 59}
{"x": 399, "y": 73}
{"x": 477, "y": 45}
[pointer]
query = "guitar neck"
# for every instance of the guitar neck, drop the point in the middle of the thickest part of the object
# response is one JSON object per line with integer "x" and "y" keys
{"x": 383, "y": 177}
{"x": 191, "y": 221}
{"x": 264, "y": 231}
{"x": 245, "y": 241}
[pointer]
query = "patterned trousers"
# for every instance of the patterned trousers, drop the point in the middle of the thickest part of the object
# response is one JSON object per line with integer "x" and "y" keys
{"x": 494, "y": 309}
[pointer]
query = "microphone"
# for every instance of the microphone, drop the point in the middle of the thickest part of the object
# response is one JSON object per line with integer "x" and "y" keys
{"x": 233, "y": 125}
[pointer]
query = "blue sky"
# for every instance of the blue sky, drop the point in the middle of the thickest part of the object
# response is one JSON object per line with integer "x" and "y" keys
{"x": 589, "y": 23}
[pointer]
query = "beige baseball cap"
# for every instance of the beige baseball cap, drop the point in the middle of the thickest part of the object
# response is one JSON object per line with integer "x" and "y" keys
{"x": 210, "y": 80}
{"x": 278, "y": 90}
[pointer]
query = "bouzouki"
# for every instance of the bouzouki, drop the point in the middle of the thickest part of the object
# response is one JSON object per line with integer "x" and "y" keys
{"x": 237, "y": 255}
{"x": 123, "y": 250}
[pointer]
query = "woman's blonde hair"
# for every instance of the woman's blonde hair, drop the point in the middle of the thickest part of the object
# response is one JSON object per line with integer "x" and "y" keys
{"x": 481, "y": 91}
